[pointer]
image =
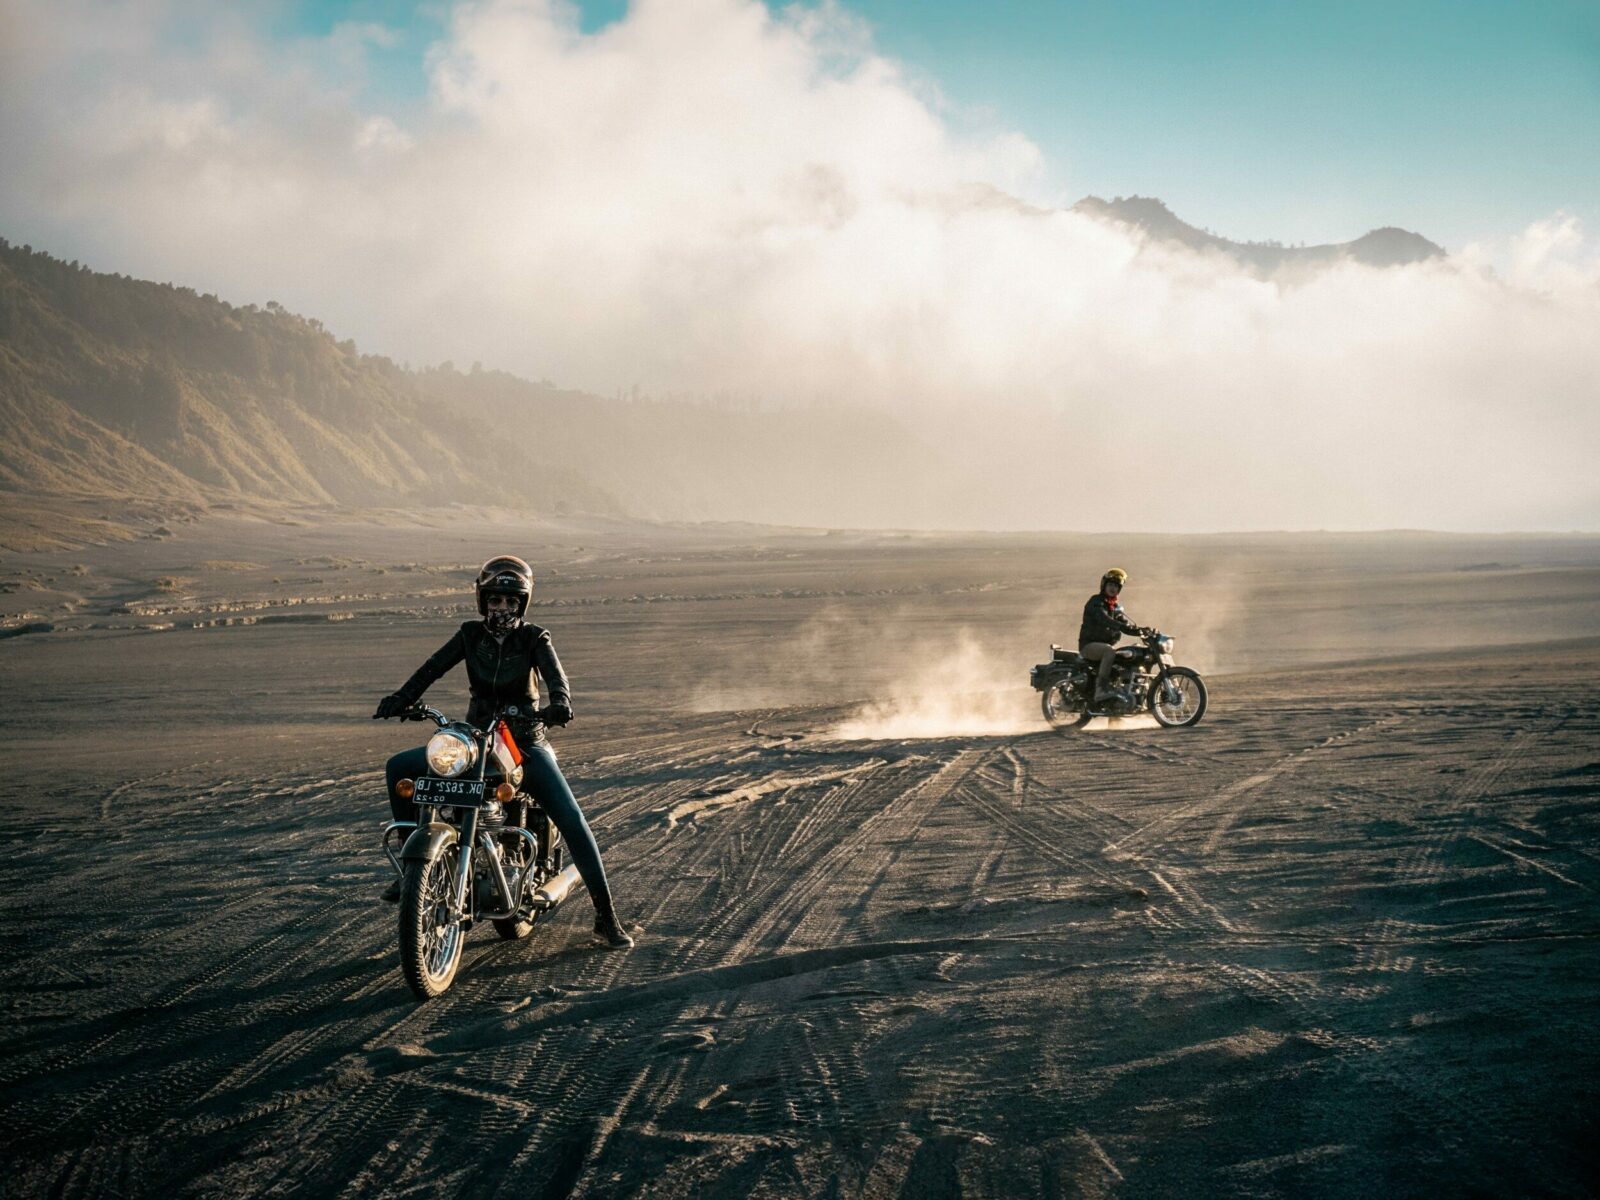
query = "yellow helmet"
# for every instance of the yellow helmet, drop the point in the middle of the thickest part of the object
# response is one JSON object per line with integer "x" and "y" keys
{"x": 1116, "y": 575}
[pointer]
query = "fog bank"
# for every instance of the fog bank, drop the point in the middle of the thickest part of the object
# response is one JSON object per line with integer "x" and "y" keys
{"x": 707, "y": 199}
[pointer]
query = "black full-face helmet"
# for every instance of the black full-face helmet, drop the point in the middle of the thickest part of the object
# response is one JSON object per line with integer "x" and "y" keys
{"x": 504, "y": 575}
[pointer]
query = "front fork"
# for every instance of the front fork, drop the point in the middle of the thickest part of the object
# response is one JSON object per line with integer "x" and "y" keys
{"x": 1161, "y": 687}
{"x": 539, "y": 849}
{"x": 463, "y": 880}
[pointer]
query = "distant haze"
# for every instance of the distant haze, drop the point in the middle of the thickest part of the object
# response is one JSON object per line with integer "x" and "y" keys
{"x": 704, "y": 199}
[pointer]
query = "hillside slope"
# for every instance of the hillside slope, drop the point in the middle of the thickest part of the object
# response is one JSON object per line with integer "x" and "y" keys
{"x": 117, "y": 386}
{"x": 111, "y": 386}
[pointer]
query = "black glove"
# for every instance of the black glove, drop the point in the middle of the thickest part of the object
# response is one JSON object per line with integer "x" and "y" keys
{"x": 391, "y": 706}
{"x": 555, "y": 714}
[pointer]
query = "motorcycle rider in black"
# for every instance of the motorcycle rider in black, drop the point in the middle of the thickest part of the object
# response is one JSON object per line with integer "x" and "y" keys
{"x": 1104, "y": 623}
{"x": 501, "y": 653}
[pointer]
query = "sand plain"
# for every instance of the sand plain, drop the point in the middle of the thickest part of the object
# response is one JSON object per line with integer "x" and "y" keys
{"x": 1340, "y": 939}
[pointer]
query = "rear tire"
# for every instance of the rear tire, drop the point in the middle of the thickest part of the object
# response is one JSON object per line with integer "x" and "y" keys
{"x": 430, "y": 946}
{"x": 514, "y": 929}
{"x": 1189, "y": 704}
{"x": 1059, "y": 709}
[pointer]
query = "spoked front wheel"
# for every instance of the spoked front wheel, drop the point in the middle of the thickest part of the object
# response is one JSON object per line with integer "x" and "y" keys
{"x": 1178, "y": 698}
{"x": 1062, "y": 708}
{"x": 430, "y": 942}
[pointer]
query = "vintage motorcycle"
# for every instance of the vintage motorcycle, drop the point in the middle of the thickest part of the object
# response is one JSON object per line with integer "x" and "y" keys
{"x": 1144, "y": 679}
{"x": 480, "y": 848}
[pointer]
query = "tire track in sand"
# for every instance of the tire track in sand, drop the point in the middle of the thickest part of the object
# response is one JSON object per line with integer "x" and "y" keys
{"x": 794, "y": 908}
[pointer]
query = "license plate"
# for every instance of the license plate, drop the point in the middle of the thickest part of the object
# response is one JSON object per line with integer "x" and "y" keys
{"x": 463, "y": 793}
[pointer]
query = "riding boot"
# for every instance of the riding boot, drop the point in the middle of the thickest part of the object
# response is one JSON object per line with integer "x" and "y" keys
{"x": 1120, "y": 695}
{"x": 608, "y": 927}
{"x": 391, "y": 894}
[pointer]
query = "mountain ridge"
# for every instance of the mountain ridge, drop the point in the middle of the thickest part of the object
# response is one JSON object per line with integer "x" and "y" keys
{"x": 1388, "y": 246}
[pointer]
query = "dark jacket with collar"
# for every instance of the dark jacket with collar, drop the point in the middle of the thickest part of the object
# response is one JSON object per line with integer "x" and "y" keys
{"x": 1103, "y": 621}
{"x": 499, "y": 672}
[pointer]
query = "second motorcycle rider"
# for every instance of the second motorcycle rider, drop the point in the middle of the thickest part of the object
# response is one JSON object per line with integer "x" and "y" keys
{"x": 502, "y": 652}
{"x": 1103, "y": 625}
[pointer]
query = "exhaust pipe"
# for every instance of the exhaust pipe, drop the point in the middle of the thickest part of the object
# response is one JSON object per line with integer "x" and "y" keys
{"x": 554, "y": 891}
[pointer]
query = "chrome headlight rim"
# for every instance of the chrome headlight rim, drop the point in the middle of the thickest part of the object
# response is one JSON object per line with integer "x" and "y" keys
{"x": 451, "y": 753}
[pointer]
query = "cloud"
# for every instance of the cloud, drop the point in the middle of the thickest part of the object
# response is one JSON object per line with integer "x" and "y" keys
{"x": 707, "y": 197}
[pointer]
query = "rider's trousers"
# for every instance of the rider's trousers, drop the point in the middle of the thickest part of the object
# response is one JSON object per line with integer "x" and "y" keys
{"x": 1107, "y": 656}
{"x": 541, "y": 779}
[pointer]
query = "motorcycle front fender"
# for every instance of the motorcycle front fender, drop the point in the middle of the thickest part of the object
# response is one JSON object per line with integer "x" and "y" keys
{"x": 428, "y": 840}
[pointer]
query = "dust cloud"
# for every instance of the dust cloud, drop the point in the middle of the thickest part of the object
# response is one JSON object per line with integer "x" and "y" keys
{"x": 1115, "y": 724}
{"x": 970, "y": 691}
{"x": 903, "y": 672}
{"x": 1202, "y": 608}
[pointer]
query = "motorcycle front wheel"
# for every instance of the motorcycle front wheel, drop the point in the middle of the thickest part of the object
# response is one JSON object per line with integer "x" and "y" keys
{"x": 1061, "y": 710}
{"x": 430, "y": 942}
{"x": 1178, "y": 698}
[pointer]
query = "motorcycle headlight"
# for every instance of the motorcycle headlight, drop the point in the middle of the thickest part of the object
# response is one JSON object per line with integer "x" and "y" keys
{"x": 1165, "y": 644}
{"x": 451, "y": 753}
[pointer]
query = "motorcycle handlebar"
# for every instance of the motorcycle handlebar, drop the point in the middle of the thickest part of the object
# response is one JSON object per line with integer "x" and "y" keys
{"x": 421, "y": 712}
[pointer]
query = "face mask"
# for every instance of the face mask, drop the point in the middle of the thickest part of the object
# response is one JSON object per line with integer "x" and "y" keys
{"x": 501, "y": 620}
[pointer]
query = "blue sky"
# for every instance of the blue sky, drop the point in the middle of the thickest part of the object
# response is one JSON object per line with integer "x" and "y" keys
{"x": 1464, "y": 120}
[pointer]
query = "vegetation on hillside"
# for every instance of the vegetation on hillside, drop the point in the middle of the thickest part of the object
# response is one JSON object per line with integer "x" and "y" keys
{"x": 113, "y": 386}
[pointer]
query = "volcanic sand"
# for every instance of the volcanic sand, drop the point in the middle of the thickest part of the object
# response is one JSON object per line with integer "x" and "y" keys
{"x": 1339, "y": 939}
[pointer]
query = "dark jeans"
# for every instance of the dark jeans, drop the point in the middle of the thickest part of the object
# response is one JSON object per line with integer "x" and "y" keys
{"x": 542, "y": 780}
{"x": 1106, "y": 655}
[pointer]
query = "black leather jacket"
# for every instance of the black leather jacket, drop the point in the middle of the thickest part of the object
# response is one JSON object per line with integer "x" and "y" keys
{"x": 1103, "y": 622}
{"x": 499, "y": 672}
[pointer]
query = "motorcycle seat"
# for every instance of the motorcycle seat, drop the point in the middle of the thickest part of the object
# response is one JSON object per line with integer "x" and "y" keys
{"x": 1061, "y": 655}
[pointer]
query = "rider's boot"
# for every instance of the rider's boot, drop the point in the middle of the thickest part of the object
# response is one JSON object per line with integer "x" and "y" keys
{"x": 608, "y": 927}
{"x": 1120, "y": 695}
{"x": 391, "y": 894}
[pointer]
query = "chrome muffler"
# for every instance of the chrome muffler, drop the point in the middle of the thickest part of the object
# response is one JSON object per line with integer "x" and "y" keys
{"x": 553, "y": 891}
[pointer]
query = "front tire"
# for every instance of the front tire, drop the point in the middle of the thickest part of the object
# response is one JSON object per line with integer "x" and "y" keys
{"x": 1061, "y": 710}
{"x": 1178, "y": 698}
{"x": 430, "y": 943}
